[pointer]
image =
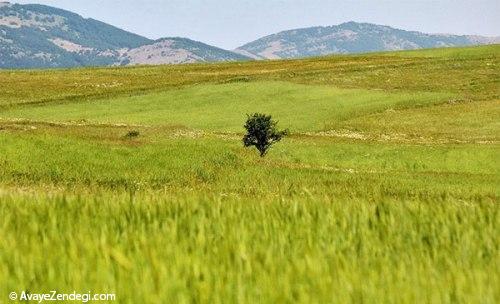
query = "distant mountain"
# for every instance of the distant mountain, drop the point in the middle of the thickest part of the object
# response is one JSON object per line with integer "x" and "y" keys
{"x": 176, "y": 50}
{"x": 350, "y": 37}
{"x": 39, "y": 36}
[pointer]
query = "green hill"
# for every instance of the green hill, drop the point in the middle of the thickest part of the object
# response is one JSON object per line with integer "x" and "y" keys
{"x": 135, "y": 180}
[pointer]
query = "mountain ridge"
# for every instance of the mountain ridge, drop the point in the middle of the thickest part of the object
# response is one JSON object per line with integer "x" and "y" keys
{"x": 350, "y": 37}
{"x": 41, "y": 36}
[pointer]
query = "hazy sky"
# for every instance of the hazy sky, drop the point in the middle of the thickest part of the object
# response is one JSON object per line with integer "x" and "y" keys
{"x": 230, "y": 23}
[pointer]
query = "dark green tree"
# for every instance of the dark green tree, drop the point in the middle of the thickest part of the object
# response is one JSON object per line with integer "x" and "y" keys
{"x": 262, "y": 132}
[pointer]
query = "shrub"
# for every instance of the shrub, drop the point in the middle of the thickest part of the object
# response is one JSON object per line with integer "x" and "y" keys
{"x": 262, "y": 132}
{"x": 132, "y": 134}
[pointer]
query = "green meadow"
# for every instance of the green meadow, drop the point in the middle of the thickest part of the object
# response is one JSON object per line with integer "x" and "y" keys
{"x": 385, "y": 191}
{"x": 223, "y": 107}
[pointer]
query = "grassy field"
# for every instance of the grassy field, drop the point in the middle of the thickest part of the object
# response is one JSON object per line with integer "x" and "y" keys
{"x": 222, "y": 107}
{"x": 386, "y": 190}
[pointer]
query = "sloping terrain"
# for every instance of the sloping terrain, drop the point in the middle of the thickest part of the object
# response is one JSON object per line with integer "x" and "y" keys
{"x": 176, "y": 51}
{"x": 136, "y": 179}
{"x": 38, "y": 36}
{"x": 42, "y": 36}
{"x": 220, "y": 107}
{"x": 350, "y": 37}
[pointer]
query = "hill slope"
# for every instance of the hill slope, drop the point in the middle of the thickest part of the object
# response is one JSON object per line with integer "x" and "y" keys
{"x": 34, "y": 36}
{"x": 176, "y": 50}
{"x": 43, "y": 36}
{"x": 136, "y": 179}
{"x": 350, "y": 37}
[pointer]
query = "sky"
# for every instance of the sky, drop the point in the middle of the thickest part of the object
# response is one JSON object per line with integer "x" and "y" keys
{"x": 232, "y": 23}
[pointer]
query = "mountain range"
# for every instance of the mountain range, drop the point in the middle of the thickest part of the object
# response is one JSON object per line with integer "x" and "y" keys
{"x": 39, "y": 36}
{"x": 350, "y": 37}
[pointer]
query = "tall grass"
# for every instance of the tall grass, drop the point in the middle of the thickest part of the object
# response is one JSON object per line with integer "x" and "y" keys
{"x": 199, "y": 248}
{"x": 134, "y": 181}
{"x": 339, "y": 168}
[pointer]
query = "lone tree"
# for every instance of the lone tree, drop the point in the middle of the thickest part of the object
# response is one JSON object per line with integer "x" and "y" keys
{"x": 262, "y": 132}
